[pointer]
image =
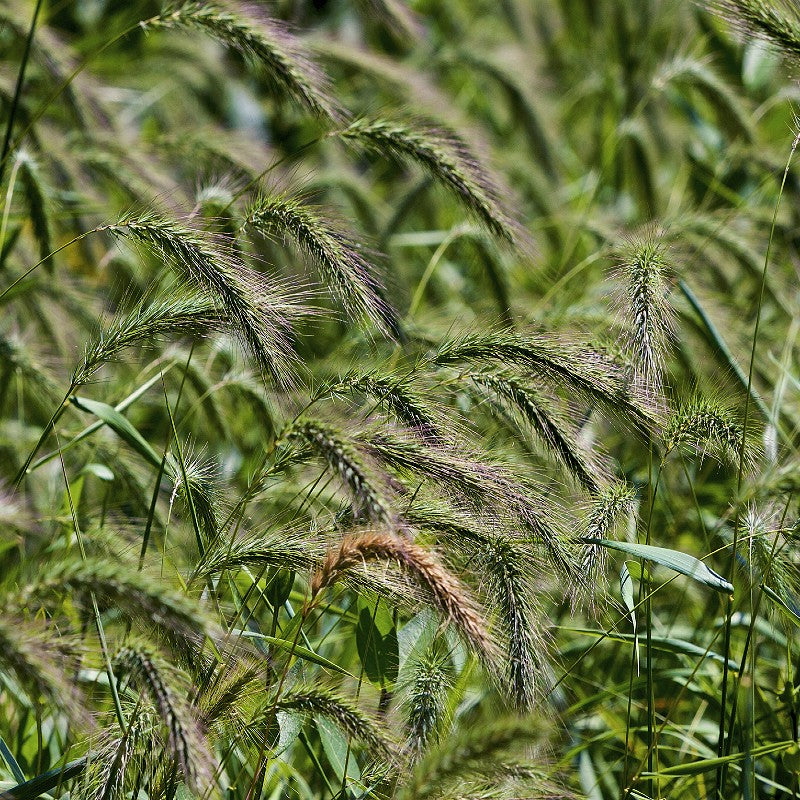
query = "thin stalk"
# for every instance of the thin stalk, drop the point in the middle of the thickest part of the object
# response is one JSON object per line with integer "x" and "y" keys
{"x": 18, "y": 90}
{"x": 722, "y": 769}
{"x": 98, "y": 622}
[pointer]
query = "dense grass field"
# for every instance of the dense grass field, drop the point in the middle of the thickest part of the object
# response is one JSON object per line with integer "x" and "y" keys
{"x": 399, "y": 399}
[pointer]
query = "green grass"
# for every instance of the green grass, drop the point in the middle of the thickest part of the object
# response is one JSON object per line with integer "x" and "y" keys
{"x": 399, "y": 400}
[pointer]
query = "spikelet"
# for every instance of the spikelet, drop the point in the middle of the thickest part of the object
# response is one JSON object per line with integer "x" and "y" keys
{"x": 448, "y": 594}
{"x": 647, "y": 310}
{"x": 474, "y": 750}
{"x": 334, "y": 251}
{"x": 548, "y": 423}
{"x": 185, "y": 740}
{"x": 344, "y": 714}
{"x": 265, "y": 42}
{"x": 41, "y": 659}
{"x": 366, "y": 487}
{"x": 603, "y": 516}
{"x": 706, "y": 427}
{"x": 777, "y": 22}
{"x": 506, "y": 568}
{"x": 583, "y": 371}
{"x": 261, "y": 316}
{"x": 448, "y": 159}
{"x": 426, "y": 703}
{"x": 399, "y": 397}
{"x": 283, "y": 547}
{"x": 163, "y": 317}
{"x": 116, "y": 585}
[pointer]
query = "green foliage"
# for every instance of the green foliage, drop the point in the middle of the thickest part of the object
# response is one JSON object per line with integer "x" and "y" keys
{"x": 332, "y": 399}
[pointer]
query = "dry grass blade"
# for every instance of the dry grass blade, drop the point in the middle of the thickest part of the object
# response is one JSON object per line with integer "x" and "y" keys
{"x": 337, "y": 254}
{"x": 449, "y": 594}
{"x": 448, "y": 159}
{"x": 264, "y": 41}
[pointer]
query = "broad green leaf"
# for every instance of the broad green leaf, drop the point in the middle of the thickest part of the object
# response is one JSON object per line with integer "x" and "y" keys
{"x": 289, "y": 725}
{"x": 95, "y": 426}
{"x": 120, "y": 425}
{"x": 667, "y": 644}
{"x": 279, "y": 586}
{"x": 672, "y": 559}
{"x": 45, "y": 782}
{"x": 8, "y": 757}
{"x": 297, "y": 650}
{"x": 707, "y": 764}
{"x": 376, "y": 640}
{"x": 334, "y": 743}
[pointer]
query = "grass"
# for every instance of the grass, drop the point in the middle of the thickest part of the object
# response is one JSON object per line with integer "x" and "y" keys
{"x": 399, "y": 401}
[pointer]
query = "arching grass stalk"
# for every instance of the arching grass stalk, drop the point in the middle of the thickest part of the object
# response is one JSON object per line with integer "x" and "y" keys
{"x": 722, "y": 769}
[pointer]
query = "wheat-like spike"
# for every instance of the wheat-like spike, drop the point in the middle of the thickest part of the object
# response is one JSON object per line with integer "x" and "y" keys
{"x": 401, "y": 399}
{"x": 264, "y": 41}
{"x": 116, "y": 585}
{"x": 334, "y": 251}
{"x": 177, "y": 315}
{"x": 205, "y": 494}
{"x": 36, "y": 198}
{"x": 777, "y": 21}
{"x": 42, "y": 659}
{"x": 548, "y": 423}
{"x": 407, "y": 454}
{"x": 186, "y": 743}
{"x": 506, "y": 569}
{"x": 587, "y": 372}
{"x": 347, "y": 716}
{"x": 448, "y": 593}
{"x": 603, "y": 516}
{"x": 461, "y": 756}
{"x": 261, "y": 316}
{"x": 648, "y": 312}
{"x": 707, "y": 427}
{"x": 225, "y": 699}
{"x": 426, "y": 703}
{"x": 366, "y": 486}
{"x": 448, "y": 159}
{"x": 109, "y": 769}
{"x": 286, "y": 548}
{"x": 503, "y": 562}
